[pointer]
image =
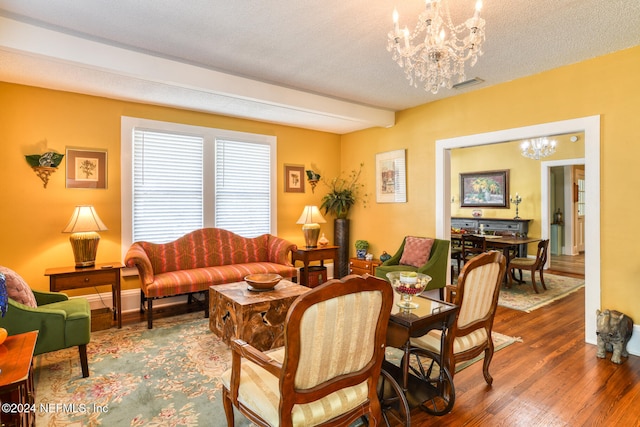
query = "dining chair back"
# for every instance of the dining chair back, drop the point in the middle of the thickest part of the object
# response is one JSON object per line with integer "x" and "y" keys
{"x": 327, "y": 372}
{"x": 532, "y": 265}
{"x": 476, "y": 293}
{"x": 472, "y": 245}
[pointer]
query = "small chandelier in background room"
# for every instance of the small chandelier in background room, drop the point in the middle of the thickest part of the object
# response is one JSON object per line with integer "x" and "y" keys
{"x": 437, "y": 56}
{"x": 538, "y": 147}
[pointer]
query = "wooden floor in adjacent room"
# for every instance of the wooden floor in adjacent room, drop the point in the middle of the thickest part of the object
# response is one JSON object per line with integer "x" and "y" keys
{"x": 552, "y": 378}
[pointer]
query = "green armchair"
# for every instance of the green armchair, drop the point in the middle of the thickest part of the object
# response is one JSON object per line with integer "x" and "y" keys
{"x": 61, "y": 322}
{"x": 436, "y": 265}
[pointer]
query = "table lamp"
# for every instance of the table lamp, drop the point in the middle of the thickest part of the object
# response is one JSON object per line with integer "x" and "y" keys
{"x": 310, "y": 220}
{"x": 84, "y": 240}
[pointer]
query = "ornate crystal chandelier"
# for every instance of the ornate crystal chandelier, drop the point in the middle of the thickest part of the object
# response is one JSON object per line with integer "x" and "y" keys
{"x": 438, "y": 55}
{"x": 538, "y": 147}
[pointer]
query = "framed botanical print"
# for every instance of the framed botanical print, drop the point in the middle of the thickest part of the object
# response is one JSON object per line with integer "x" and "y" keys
{"x": 86, "y": 168}
{"x": 294, "y": 178}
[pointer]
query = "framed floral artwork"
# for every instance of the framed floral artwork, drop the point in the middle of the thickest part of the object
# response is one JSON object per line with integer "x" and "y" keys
{"x": 488, "y": 189}
{"x": 294, "y": 178}
{"x": 86, "y": 168}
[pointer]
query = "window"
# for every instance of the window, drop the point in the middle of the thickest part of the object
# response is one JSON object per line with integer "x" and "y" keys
{"x": 178, "y": 178}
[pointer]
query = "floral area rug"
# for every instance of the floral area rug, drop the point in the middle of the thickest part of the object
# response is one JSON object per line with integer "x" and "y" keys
{"x": 522, "y": 297}
{"x": 166, "y": 376}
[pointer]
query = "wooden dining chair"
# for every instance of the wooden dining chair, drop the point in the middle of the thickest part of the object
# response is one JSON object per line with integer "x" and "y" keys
{"x": 472, "y": 245}
{"x": 476, "y": 293}
{"x": 532, "y": 265}
{"x": 327, "y": 372}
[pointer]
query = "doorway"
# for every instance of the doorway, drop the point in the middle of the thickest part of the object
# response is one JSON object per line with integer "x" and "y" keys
{"x": 591, "y": 128}
{"x": 566, "y": 206}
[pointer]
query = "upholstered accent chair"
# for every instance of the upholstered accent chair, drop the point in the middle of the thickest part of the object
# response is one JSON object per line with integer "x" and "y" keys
{"x": 477, "y": 296}
{"x": 531, "y": 264}
{"x": 327, "y": 372}
{"x": 61, "y": 322}
{"x": 434, "y": 266}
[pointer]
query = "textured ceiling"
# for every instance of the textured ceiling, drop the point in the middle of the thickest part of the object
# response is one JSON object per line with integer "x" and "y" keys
{"x": 321, "y": 51}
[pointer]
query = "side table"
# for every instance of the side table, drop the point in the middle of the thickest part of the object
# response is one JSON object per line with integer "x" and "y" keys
{"x": 16, "y": 379}
{"x": 363, "y": 266}
{"x": 255, "y": 317}
{"x": 62, "y": 278}
{"x": 306, "y": 255}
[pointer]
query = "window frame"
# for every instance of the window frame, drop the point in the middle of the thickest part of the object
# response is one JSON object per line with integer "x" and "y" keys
{"x": 209, "y": 135}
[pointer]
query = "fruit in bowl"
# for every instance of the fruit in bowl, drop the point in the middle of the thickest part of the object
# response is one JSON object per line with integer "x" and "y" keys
{"x": 262, "y": 282}
{"x": 407, "y": 284}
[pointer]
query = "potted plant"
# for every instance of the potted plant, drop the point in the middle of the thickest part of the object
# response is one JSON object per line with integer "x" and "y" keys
{"x": 361, "y": 248}
{"x": 343, "y": 194}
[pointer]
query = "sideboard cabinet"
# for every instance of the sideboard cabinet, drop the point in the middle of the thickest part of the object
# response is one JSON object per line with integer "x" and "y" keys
{"x": 517, "y": 226}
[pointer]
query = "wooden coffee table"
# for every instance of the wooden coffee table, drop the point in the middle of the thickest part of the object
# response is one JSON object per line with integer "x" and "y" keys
{"x": 255, "y": 317}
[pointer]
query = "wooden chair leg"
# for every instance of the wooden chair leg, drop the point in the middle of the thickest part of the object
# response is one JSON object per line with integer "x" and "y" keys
{"x": 149, "y": 313}
{"x": 533, "y": 281}
{"x": 228, "y": 406}
{"x": 488, "y": 355}
{"x": 542, "y": 280}
{"x": 84, "y": 363}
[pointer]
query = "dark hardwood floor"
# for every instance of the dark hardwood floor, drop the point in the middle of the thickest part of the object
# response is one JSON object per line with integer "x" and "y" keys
{"x": 552, "y": 378}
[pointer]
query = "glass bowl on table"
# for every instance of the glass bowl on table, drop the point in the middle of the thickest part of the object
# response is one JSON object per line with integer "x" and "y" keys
{"x": 408, "y": 284}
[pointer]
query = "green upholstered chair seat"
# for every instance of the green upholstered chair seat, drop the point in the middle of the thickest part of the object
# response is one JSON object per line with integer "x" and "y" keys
{"x": 436, "y": 265}
{"x": 61, "y": 322}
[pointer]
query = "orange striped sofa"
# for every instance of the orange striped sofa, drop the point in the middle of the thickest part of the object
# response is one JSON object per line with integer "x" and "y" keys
{"x": 204, "y": 257}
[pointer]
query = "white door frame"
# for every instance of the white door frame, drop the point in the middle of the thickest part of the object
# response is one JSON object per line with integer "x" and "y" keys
{"x": 591, "y": 128}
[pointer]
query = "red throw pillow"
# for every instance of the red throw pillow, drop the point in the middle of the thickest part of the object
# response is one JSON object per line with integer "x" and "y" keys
{"x": 17, "y": 289}
{"x": 416, "y": 251}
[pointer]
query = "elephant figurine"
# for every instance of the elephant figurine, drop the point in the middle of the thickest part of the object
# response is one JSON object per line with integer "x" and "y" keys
{"x": 613, "y": 330}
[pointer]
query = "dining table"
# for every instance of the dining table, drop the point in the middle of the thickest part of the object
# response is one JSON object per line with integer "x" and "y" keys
{"x": 504, "y": 243}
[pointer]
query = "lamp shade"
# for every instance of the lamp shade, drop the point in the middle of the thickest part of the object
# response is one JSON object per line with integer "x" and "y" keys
{"x": 84, "y": 240}
{"x": 309, "y": 219}
{"x": 311, "y": 215}
{"x": 83, "y": 219}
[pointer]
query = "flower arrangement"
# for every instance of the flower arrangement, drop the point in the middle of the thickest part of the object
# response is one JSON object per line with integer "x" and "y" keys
{"x": 343, "y": 194}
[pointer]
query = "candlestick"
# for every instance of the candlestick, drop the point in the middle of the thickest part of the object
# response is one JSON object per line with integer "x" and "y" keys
{"x": 517, "y": 200}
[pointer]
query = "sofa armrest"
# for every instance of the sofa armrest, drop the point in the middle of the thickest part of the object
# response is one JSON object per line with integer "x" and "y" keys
{"x": 43, "y": 297}
{"x": 279, "y": 250}
{"x": 137, "y": 257}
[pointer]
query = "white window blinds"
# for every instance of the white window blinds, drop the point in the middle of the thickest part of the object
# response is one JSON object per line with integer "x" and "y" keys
{"x": 167, "y": 185}
{"x": 243, "y": 187}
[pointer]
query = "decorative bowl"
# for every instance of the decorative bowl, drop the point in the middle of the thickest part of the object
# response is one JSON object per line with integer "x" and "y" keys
{"x": 262, "y": 281}
{"x": 407, "y": 284}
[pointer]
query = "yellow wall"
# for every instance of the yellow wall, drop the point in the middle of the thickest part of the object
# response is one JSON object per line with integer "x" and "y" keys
{"x": 38, "y": 120}
{"x": 34, "y": 119}
{"x": 606, "y": 86}
{"x": 524, "y": 177}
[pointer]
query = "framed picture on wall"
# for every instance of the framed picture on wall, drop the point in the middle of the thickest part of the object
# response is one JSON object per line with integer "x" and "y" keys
{"x": 391, "y": 177}
{"x": 86, "y": 168}
{"x": 488, "y": 189}
{"x": 294, "y": 178}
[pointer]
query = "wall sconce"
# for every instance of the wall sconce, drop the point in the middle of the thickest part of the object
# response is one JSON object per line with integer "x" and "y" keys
{"x": 83, "y": 224}
{"x": 311, "y": 220}
{"x": 312, "y": 179}
{"x": 44, "y": 165}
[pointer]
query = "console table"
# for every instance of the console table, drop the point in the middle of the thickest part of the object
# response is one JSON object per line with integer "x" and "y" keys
{"x": 62, "y": 278}
{"x": 16, "y": 380}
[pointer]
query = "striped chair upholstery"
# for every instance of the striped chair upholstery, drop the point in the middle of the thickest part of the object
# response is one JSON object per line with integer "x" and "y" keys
{"x": 205, "y": 257}
{"x": 326, "y": 374}
{"x": 476, "y": 294}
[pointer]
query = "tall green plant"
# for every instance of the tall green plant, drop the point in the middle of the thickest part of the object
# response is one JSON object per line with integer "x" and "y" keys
{"x": 343, "y": 194}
